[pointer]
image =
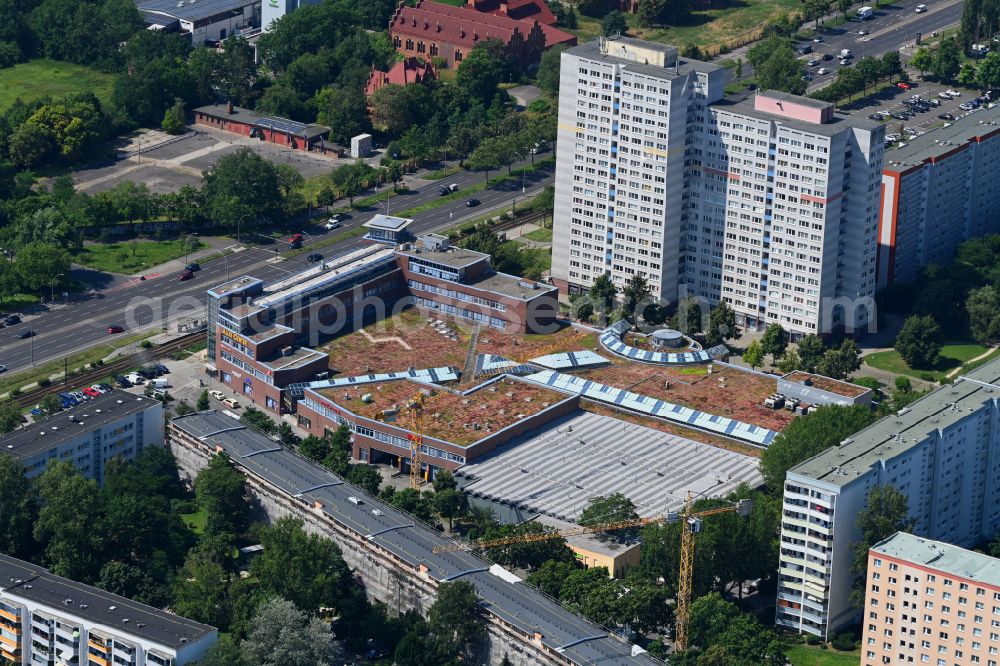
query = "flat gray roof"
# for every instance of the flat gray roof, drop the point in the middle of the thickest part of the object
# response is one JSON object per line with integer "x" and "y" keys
{"x": 121, "y": 615}
{"x": 49, "y": 432}
{"x": 940, "y": 556}
{"x": 192, "y": 11}
{"x": 413, "y": 542}
{"x": 839, "y": 123}
{"x": 592, "y": 51}
{"x": 941, "y": 140}
{"x": 896, "y": 434}
{"x": 389, "y": 222}
{"x": 511, "y": 285}
{"x": 455, "y": 257}
{"x": 558, "y": 470}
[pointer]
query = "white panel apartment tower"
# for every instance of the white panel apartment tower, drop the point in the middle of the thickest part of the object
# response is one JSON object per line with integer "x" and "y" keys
{"x": 769, "y": 203}
{"x": 625, "y": 110}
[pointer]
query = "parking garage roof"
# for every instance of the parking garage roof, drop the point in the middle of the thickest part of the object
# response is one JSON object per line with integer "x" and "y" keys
{"x": 502, "y": 594}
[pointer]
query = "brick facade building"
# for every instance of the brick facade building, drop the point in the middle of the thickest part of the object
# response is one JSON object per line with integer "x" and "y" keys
{"x": 282, "y": 131}
{"x": 429, "y": 29}
{"x": 404, "y": 72}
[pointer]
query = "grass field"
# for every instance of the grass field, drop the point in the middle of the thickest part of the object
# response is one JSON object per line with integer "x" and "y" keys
{"x": 726, "y": 20}
{"x": 809, "y": 655}
{"x": 38, "y": 78}
{"x": 17, "y": 301}
{"x": 952, "y": 356}
{"x": 540, "y": 235}
{"x": 131, "y": 256}
{"x": 196, "y": 521}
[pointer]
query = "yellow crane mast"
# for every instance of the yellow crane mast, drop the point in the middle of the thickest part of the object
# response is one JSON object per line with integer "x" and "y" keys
{"x": 416, "y": 439}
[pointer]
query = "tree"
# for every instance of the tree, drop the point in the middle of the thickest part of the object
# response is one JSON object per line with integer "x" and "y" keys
{"x": 814, "y": 10}
{"x": 551, "y": 576}
{"x": 70, "y": 509}
{"x": 282, "y": 635}
{"x": 809, "y": 435}
{"x": 983, "y": 308}
{"x": 17, "y": 509}
{"x": 613, "y": 508}
{"x": 810, "y": 351}
{"x": 923, "y": 60}
{"x": 10, "y": 417}
{"x": 482, "y": 70}
{"x": 456, "y": 615}
{"x": 38, "y": 264}
{"x": 614, "y": 24}
{"x": 968, "y": 75}
{"x": 594, "y": 8}
{"x": 203, "y": 590}
{"x": 305, "y": 569}
{"x": 490, "y": 155}
{"x": 843, "y": 6}
{"x": 242, "y": 188}
{"x": 710, "y": 615}
{"x": 841, "y": 362}
{"x": 774, "y": 341}
{"x": 722, "y": 325}
{"x": 635, "y": 293}
{"x": 947, "y": 60}
{"x": 602, "y": 293}
{"x": 988, "y": 75}
{"x": 221, "y": 491}
{"x": 547, "y": 76}
{"x": 782, "y": 70}
{"x": 174, "y": 119}
{"x": 444, "y": 480}
{"x": 891, "y": 64}
{"x": 203, "y": 404}
{"x": 919, "y": 341}
{"x": 885, "y": 514}
{"x": 366, "y": 477}
{"x": 754, "y": 355}
{"x": 527, "y": 555}
{"x": 448, "y": 503}
{"x": 689, "y": 316}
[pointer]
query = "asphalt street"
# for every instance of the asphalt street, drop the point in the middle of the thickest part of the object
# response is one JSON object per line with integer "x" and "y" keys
{"x": 140, "y": 304}
{"x": 890, "y": 29}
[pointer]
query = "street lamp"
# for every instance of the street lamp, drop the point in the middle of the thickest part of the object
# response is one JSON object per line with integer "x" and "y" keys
{"x": 52, "y": 287}
{"x": 195, "y": 235}
{"x": 239, "y": 223}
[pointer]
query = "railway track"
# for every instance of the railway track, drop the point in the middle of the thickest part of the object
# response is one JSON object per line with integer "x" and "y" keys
{"x": 91, "y": 376}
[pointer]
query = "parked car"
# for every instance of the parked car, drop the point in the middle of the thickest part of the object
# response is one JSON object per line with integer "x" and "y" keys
{"x": 314, "y": 257}
{"x": 912, "y": 131}
{"x": 827, "y": 56}
{"x": 822, "y": 70}
{"x": 161, "y": 369}
{"x": 185, "y": 276}
{"x": 91, "y": 392}
{"x": 944, "y": 95}
{"x": 965, "y": 106}
{"x": 805, "y": 49}
{"x": 818, "y": 39}
{"x": 67, "y": 400}
{"x": 115, "y": 329}
{"x": 122, "y": 381}
{"x": 80, "y": 396}
{"x": 903, "y": 85}
{"x": 3, "y": 368}
{"x": 11, "y": 320}
{"x": 813, "y": 62}
{"x": 332, "y": 223}
{"x": 218, "y": 395}
{"x": 953, "y": 92}
{"x": 230, "y": 403}
{"x": 807, "y": 77}
{"x": 876, "y": 116}
{"x": 472, "y": 203}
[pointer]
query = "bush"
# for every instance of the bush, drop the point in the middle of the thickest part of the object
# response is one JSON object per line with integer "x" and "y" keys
{"x": 146, "y": 344}
{"x": 927, "y": 377}
{"x": 813, "y": 640}
{"x": 42, "y": 383}
{"x": 15, "y": 392}
{"x": 843, "y": 641}
{"x": 904, "y": 384}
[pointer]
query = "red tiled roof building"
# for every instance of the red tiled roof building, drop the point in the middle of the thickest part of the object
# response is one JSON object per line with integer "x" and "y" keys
{"x": 404, "y": 72}
{"x": 430, "y": 29}
{"x": 519, "y": 10}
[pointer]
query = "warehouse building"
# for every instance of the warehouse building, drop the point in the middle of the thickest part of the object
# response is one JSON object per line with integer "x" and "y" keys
{"x": 203, "y": 21}
{"x": 938, "y": 190}
{"x": 273, "y": 129}
{"x": 48, "y": 619}
{"x": 913, "y": 585}
{"x": 113, "y": 425}
{"x": 942, "y": 452}
{"x": 556, "y": 471}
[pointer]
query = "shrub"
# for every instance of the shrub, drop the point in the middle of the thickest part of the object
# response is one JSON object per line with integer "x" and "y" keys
{"x": 44, "y": 382}
{"x": 927, "y": 377}
{"x": 15, "y": 392}
{"x": 813, "y": 640}
{"x": 146, "y": 344}
{"x": 843, "y": 641}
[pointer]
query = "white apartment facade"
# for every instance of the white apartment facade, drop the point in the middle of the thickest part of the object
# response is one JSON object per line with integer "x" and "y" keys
{"x": 47, "y": 619}
{"x": 769, "y": 204}
{"x": 942, "y": 452}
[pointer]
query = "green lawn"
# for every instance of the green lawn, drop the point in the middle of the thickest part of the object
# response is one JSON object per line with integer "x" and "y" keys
{"x": 952, "y": 356}
{"x": 812, "y": 655}
{"x": 727, "y": 21}
{"x": 444, "y": 172}
{"x": 195, "y": 521}
{"x": 543, "y": 235}
{"x": 38, "y": 78}
{"x": 17, "y": 301}
{"x": 131, "y": 256}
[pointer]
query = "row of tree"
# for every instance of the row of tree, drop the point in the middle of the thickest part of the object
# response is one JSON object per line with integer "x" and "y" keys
{"x": 856, "y": 78}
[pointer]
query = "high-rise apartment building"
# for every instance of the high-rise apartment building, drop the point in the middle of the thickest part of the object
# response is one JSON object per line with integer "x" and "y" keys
{"x": 938, "y": 190}
{"x": 942, "y": 452}
{"x": 769, "y": 203}
{"x": 929, "y": 602}
{"x": 48, "y": 619}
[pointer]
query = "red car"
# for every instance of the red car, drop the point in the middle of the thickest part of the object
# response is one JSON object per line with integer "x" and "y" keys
{"x": 903, "y": 85}
{"x": 114, "y": 329}
{"x": 186, "y": 275}
{"x": 91, "y": 392}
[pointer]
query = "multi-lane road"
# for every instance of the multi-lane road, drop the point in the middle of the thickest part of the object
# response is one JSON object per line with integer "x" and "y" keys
{"x": 140, "y": 304}
{"x": 890, "y": 29}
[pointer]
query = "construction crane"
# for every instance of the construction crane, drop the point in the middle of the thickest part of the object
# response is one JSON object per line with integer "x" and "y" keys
{"x": 690, "y": 525}
{"x": 416, "y": 439}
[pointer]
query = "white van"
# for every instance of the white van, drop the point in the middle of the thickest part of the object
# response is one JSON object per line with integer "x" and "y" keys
{"x": 921, "y": 9}
{"x": 354, "y": 500}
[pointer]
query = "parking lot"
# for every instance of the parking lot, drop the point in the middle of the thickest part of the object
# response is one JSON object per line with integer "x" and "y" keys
{"x": 894, "y": 107}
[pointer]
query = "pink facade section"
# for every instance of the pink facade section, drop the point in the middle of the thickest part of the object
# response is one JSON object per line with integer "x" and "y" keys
{"x": 792, "y": 110}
